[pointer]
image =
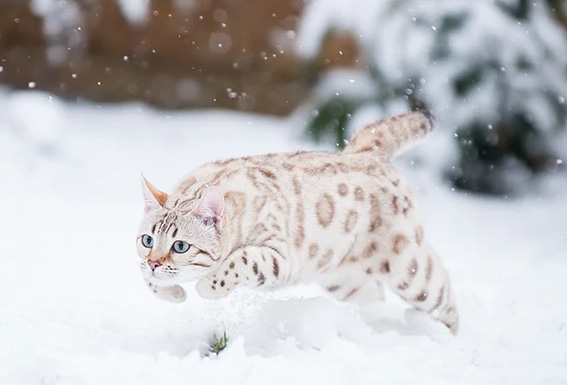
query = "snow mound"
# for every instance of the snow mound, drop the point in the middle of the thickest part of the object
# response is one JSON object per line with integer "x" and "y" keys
{"x": 75, "y": 309}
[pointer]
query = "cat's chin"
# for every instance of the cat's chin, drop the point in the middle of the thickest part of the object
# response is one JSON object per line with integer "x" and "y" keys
{"x": 171, "y": 280}
{"x": 164, "y": 281}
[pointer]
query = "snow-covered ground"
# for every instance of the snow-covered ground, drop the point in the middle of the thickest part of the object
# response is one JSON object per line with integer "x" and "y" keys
{"x": 74, "y": 309}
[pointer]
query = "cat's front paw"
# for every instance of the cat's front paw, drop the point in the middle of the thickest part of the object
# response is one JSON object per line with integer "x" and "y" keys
{"x": 209, "y": 290}
{"x": 174, "y": 293}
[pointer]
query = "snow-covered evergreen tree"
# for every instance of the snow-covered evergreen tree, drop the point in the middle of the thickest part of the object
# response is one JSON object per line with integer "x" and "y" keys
{"x": 494, "y": 71}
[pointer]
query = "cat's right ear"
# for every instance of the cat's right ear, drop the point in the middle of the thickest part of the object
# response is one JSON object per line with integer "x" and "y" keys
{"x": 211, "y": 207}
{"x": 153, "y": 198}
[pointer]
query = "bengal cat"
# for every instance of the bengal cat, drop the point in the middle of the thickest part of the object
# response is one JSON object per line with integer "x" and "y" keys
{"x": 344, "y": 220}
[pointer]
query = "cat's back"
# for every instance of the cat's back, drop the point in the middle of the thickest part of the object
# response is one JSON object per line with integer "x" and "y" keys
{"x": 288, "y": 172}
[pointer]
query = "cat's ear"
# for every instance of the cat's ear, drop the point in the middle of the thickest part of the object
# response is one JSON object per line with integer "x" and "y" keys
{"x": 211, "y": 207}
{"x": 153, "y": 198}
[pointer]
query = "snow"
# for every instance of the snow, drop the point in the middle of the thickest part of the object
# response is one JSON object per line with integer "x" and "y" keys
{"x": 75, "y": 309}
{"x": 406, "y": 47}
{"x": 344, "y": 83}
{"x": 406, "y": 39}
{"x": 322, "y": 16}
{"x": 135, "y": 11}
{"x": 62, "y": 21}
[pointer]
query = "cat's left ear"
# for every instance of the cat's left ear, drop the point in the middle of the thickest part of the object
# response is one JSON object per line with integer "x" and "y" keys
{"x": 211, "y": 207}
{"x": 153, "y": 198}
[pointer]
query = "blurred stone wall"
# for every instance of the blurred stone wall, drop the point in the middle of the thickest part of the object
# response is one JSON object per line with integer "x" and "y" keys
{"x": 234, "y": 54}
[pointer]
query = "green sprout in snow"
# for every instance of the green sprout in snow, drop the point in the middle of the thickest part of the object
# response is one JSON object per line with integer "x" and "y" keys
{"x": 218, "y": 344}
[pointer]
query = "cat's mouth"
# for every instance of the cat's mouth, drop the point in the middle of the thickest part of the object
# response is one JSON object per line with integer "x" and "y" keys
{"x": 165, "y": 273}
{"x": 160, "y": 278}
{"x": 174, "y": 275}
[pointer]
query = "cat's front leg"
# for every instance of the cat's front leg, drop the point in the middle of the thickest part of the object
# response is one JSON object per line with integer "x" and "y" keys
{"x": 256, "y": 266}
{"x": 172, "y": 293}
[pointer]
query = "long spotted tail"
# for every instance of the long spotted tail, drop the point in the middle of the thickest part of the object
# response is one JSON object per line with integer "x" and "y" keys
{"x": 388, "y": 136}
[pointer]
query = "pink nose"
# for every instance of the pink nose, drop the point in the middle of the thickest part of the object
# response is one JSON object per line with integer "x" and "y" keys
{"x": 154, "y": 264}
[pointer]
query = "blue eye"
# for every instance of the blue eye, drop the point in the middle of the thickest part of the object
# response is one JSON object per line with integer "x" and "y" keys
{"x": 180, "y": 247}
{"x": 147, "y": 241}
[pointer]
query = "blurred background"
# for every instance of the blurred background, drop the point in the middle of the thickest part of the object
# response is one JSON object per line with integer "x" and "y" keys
{"x": 494, "y": 72}
{"x": 94, "y": 91}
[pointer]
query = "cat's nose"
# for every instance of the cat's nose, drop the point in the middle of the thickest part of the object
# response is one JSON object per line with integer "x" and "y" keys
{"x": 154, "y": 264}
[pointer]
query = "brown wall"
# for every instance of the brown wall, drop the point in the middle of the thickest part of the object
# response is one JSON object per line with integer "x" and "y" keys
{"x": 233, "y": 54}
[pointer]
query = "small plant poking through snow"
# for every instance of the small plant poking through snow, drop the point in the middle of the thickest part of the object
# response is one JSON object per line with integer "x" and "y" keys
{"x": 218, "y": 344}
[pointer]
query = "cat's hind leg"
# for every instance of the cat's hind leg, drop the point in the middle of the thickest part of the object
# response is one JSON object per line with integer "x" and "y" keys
{"x": 415, "y": 273}
{"x": 358, "y": 288}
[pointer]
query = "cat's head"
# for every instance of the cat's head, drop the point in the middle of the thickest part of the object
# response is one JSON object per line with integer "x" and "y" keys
{"x": 179, "y": 236}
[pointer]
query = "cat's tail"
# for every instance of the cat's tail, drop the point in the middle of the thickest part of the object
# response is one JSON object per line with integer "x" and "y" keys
{"x": 388, "y": 136}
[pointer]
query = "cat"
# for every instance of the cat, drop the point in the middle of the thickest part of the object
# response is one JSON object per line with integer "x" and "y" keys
{"x": 344, "y": 220}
